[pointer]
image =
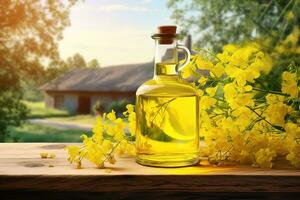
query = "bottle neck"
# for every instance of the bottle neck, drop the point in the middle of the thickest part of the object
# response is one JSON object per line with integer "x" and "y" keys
{"x": 166, "y": 59}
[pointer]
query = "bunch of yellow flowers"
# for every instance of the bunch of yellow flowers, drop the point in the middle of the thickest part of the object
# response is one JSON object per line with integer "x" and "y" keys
{"x": 240, "y": 120}
{"x": 111, "y": 136}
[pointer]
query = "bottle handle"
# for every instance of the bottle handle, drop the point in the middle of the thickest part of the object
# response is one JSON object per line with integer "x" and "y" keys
{"x": 187, "y": 55}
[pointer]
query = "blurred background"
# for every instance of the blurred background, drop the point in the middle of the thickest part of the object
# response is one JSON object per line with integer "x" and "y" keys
{"x": 62, "y": 63}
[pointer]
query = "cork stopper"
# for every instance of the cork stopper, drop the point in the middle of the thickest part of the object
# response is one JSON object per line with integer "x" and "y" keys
{"x": 166, "y": 34}
{"x": 167, "y": 29}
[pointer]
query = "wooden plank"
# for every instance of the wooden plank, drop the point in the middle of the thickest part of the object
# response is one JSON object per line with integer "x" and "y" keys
{"x": 148, "y": 195}
{"x": 21, "y": 168}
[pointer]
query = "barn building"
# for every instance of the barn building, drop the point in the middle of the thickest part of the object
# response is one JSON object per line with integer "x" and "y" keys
{"x": 78, "y": 90}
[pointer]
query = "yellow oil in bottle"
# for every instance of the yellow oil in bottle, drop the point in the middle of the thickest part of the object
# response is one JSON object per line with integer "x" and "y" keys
{"x": 167, "y": 120}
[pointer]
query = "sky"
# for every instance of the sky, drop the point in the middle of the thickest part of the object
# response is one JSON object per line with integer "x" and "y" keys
{"x": 114, "y": 31}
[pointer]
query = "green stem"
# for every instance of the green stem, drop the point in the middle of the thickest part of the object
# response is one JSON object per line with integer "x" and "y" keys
{"x": 110, "y": 153}
{"x": 281, "y": 14}
{"x": 263, "y": 118}
{"x": 270, "y": 91}
{"x": 210, "y": 53}
{"x": 161, "y": 107}
{"x": 265, "y": 11}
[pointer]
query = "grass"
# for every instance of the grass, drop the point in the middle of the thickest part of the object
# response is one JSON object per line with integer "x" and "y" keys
{"x": 38, "y": 110}
{"x": 41, "y": 133}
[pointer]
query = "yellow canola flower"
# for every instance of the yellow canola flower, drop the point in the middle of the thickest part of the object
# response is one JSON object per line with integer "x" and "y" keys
{"x": 98, "y": 130}
{"x": 230, "y": 48}
{"x": 217, "y": 70}
{"x": 132, "y": 123}
{"x": 294, "y": 153}
{"x": 292, "y": 131}
{"x": 190, "y": 69}
{"x": 277, "y": 143}
{"x": 111, "y": 116}
{"x": 230, "y": 91}
{"x": 236, "y": 95}
{"x": 242, "y": 67}
{"x": 290, "y": 16}
{"x": 211, "y": 91}
{"x": 130, "y": 108}
{"x": 131, "y": 116}
{"x": 290, "y": 44}
{"x": 241, "y": 76}
{"x": 44, "y": 155}
{"x": 242, "y": 55}
{"x": 264, "y": 158}
{"x": 292, "y": 142}
{"x": 187, "y": 72}
{"x": 202, "y": 80}
{"x": 107, "y": 140}
{"x": 246, "y": 158}
{"x": 107, "y": 171}
{"x": 203, "y": 64}
{"x": 289, "y": 84}
{"x": 52, "y": 155}
{"x": 293, "y": 37}
{"x": 73, "y": 154}
{"x": 243, "y": 115}
{"x": 273, "y": 98}
{"x": 223, "y": 57}
{"x": 275, "y": 113}
{"x": 107, "y": 145}
{"x": 207, "y": 102}
{"x": 125, "y": 148}
{"x": 294, "y": 158}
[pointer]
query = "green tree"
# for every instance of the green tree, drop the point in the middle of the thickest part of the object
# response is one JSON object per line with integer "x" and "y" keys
{"x": 54, "y": 69}
{"x": 93, "y": 63}
{"x": 59, "y": 67}
{"x": 218, "y": 22}
{"x": 274, "y": 24}
{"x": 76, "y": 61}
{"x": 29, "y": 34}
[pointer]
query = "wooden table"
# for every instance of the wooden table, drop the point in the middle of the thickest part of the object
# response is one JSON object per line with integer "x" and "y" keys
{"x": 24, "y": 174}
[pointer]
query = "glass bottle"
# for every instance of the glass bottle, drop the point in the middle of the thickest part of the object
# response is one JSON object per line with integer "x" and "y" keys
{"x": 167, "y": 109}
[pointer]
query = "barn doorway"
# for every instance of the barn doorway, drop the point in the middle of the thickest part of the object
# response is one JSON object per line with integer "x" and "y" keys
{"x": 84, "y": 105}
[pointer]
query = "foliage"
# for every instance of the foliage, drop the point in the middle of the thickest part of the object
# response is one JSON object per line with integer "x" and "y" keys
{"x": 30, "y": 90}
{"x": 93, "y": 63}
{"x": 118, "y": 106}
{"x": 98, "y": 107}
{"x": 76, "y": 61}
{"x": 41, "y": 133}
{"x": 12, "y": 112}
{"x": 59, "y": 67}
{"x": 29, "y": 32}
{"x": 274, "y": 25}
{"x": 218, "y": 22}
{"x": 38, "y": 110}
{"x": 108, "y": 139}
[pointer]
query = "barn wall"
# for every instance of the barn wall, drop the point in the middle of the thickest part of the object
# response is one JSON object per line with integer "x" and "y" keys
{"x": 49, "y": 100}
{"x": 107, "y": 99}
{"x": 71, "y": 98}
{"x": 71, "y": 103}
